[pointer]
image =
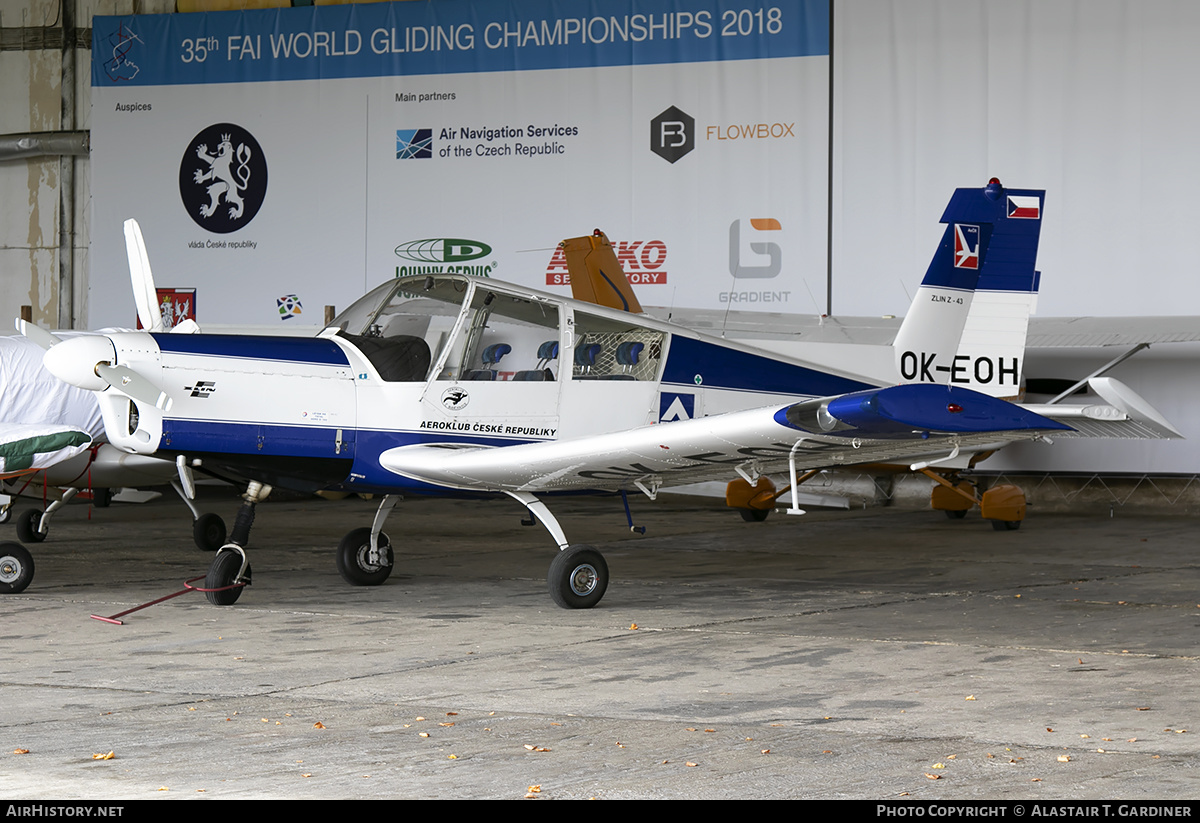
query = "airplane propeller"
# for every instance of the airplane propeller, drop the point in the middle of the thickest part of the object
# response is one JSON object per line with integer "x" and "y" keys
{"x": 87, "y": 361}
{"x": 145, "y": 295}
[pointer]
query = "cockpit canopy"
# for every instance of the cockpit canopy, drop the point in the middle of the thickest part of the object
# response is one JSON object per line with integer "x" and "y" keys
{"x": 455, "y": 328}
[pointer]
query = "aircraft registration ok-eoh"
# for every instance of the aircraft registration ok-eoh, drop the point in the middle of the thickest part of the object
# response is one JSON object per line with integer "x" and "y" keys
{"x": 448, "y": 384}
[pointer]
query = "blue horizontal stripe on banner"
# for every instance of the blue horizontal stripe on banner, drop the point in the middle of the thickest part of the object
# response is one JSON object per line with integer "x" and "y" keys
{"x": 447, "y": 37}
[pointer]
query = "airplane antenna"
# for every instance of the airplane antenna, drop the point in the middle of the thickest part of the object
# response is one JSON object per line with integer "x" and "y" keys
{"x": 813, "y": 298}
{"x": 906, "y": 294}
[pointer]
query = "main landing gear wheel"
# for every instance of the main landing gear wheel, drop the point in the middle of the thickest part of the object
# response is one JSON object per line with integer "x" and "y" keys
{"x": 16, "y": 568}
{"x": 208, "y": 531}
{"x": 5, "y": 513}
{"x": 27, "y": 526}
{"x": 354, "y": 561}
{"x": 1006, "y": 525}
{"x": 578, "y": 577}
{"x": 754, "y": 515}
{"x": 955, "y": 514}
{"x": 222, "y": 573}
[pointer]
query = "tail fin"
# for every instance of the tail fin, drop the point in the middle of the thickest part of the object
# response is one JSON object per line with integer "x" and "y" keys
{"x": 596, "y": 274}
{"x": 968, "y": 322}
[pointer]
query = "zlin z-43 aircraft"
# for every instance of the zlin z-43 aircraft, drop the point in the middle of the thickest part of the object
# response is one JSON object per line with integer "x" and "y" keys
{"x": 454, "y": 385}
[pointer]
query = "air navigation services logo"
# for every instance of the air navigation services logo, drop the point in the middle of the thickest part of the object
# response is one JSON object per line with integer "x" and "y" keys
{"x": 414, "y": 144}
{"x": 223, "y": 178}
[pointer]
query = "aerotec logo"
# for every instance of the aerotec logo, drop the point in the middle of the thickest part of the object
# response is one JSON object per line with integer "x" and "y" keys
{"x": 442, "y": 250}
{"x": 644, "y": 262}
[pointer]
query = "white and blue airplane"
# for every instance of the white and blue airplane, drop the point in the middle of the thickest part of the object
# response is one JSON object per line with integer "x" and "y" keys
{"x": 448, "y": 384}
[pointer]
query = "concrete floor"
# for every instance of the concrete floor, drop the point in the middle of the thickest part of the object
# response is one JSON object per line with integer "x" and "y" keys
{"x": 847, "y": 655}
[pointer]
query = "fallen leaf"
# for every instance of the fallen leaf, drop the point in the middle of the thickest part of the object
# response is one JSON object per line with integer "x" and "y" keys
{"x": 20, "y": 751}
{"x": 109, "y": 756}
{"x": 451, "y": 714}
{"x": 969, "y": 697}
{"x": 933, "y": 776}
{"x": 318, "y": 725}
{"x": 1062, "y": 758}
{"x": 690, "y": 764}
{"x": 1130, "y": 740}
{"x": 1085, "y": 736}
{"x": 419, "y": 719}
{"x": 535, "y": 789}
{"x": 449, "y": 723}
{"x": 939, "y": 765}
{"x": 452, "y": 757}
{"x": 765, "y": 751}
{"x": 633, "y": 627}
{"x": 163, "y": 789}
{"x": 423, "y": 734}
{"x": 1036, "y": 780}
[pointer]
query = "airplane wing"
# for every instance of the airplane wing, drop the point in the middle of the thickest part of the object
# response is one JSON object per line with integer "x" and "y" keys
{"x": 25, "y": 447}
{"x": 897, "y": 423}
{"x": 901, "y": 423}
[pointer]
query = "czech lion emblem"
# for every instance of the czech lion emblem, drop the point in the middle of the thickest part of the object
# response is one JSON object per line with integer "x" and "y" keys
{"x": 228, "y": 180}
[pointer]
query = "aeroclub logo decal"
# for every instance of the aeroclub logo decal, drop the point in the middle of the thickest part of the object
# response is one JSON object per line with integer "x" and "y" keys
{"x": 223, "y": 178}
{"x": 455, "y": 398}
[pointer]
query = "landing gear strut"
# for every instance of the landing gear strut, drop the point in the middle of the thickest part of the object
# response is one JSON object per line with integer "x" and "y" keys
{"x": 230, "y": 570}
{"x": 578, "y": 575}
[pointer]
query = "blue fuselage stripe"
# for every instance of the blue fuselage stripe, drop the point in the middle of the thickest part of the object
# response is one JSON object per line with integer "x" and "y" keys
{"x": 314, "y": 350}
{"x": 713, "y": 366}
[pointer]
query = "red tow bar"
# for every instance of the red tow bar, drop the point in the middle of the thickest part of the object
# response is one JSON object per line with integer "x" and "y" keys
{"x": 187, "y": 587}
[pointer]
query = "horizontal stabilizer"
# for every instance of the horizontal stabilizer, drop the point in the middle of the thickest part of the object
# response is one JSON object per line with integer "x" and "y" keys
{"x": 1124, "y": 414}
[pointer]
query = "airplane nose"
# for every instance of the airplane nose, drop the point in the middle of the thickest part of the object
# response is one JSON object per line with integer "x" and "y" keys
{"x": 74, "y": 360}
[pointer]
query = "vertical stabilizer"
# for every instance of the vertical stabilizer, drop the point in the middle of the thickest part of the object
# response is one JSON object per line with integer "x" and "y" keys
{"x": 968, "y": 323}
{"x": 596, "y": 275}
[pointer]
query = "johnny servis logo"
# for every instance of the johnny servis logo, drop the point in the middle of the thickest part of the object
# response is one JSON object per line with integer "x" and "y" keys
{"x": 223, "y": 178}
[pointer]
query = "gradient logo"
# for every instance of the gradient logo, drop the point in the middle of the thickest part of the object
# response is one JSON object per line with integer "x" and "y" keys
{"x": 414, "y": 144}
{"x": 759, "y": 247}
{"x": 442, "y": 250}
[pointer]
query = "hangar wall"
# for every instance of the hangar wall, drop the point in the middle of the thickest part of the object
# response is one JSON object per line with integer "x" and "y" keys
{"x": 1082, "y": 99}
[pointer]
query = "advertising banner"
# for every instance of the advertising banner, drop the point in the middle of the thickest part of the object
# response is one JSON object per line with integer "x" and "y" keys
{"x": 283, "y": 160}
